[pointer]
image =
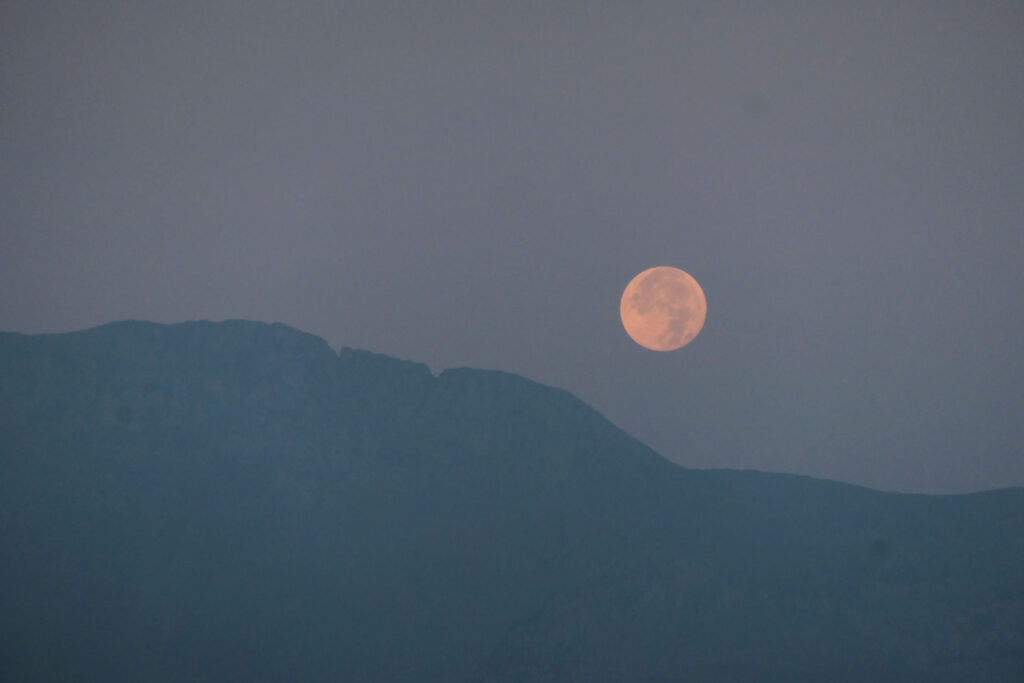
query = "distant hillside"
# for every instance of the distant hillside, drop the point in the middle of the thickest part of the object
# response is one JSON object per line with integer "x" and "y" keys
{"x": 237, "y": 502}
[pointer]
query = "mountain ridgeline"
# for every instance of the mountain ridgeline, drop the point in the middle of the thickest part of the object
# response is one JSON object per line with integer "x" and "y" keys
{"x": 237, "y": 502}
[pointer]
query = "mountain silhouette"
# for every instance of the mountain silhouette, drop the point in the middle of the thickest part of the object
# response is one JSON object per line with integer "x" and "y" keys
{"x": 237, "y": 502}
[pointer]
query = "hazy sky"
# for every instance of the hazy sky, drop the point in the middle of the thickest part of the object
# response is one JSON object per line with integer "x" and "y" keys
{"x": 474, "y": 183}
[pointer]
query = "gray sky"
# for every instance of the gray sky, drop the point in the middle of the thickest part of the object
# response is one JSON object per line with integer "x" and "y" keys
{"x": 474, "y": 183}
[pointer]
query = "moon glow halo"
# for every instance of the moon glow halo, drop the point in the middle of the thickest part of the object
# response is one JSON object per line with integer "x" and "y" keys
{"x": 663, "y": 308}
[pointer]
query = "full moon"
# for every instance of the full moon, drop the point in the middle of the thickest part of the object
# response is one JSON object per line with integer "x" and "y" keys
{"x": 663, "y": 308}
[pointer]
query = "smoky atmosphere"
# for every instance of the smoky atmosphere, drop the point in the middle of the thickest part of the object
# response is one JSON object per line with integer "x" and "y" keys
{"x": 475, "y": 184}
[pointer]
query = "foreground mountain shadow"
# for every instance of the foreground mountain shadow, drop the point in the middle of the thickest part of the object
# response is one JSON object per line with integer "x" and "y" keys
{"x": 236, "y": 502}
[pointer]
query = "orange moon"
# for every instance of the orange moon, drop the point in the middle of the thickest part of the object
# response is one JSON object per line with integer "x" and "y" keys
{"x": 663, "y": 308}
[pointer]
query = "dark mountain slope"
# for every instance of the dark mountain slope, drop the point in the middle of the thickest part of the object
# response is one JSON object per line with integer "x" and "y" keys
{"x": 235, "y": 501}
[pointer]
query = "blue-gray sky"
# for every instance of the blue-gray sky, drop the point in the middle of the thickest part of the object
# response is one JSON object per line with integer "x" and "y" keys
{"x": 474, "y": 183}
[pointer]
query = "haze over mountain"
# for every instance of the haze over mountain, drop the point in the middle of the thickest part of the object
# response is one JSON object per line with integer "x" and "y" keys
{"x": 237, "y": 502}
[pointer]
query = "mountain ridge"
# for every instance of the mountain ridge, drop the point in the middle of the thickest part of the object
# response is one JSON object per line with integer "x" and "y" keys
{"x": 236, "y": 501}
